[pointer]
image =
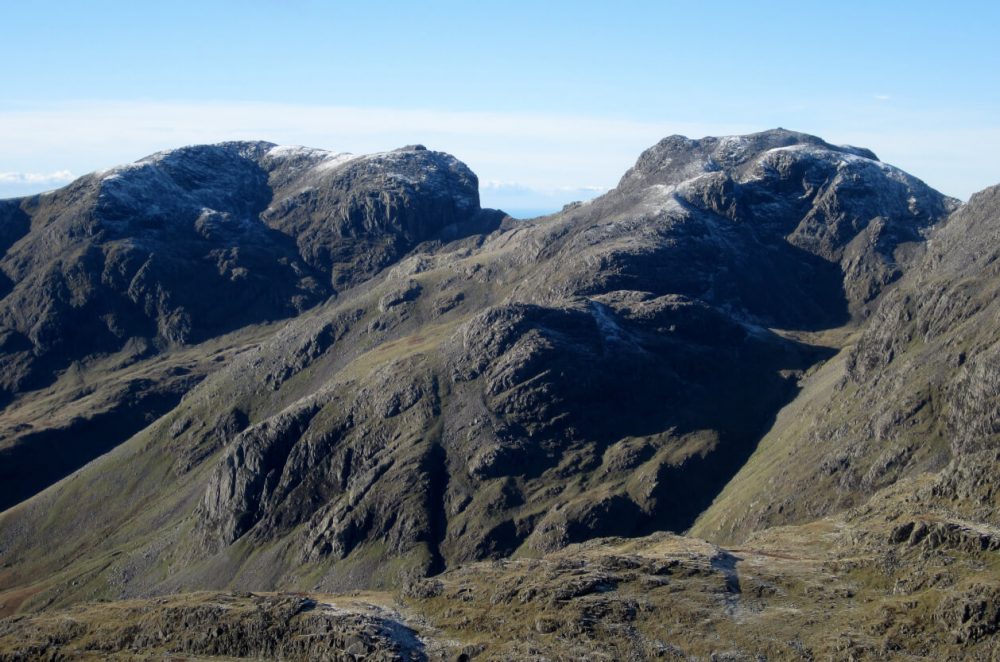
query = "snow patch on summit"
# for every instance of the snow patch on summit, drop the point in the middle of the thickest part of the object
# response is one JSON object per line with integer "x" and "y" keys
{"x": 326, "y": 160}
{"x": 321, "y": 160}
{"x": 292, "y": 151}
{"x": 661, "y": 198}
{"x": 335, "y": 161}
{"x": 733, "y": 149}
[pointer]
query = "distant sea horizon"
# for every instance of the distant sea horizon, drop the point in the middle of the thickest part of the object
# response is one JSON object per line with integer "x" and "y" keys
{"x": 522, "y": 213}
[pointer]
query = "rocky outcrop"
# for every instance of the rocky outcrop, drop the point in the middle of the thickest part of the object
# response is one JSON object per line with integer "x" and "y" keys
{"x": 248, "y": 474}
{"x": 247, "y": 626}
{"x": 973, "y": 615}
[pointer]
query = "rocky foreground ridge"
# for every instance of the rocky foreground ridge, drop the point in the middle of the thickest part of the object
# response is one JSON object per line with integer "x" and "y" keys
{"x": 792, "y": 330}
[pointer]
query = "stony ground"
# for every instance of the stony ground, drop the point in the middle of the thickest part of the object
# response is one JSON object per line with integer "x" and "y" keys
{"x": 896, "y": 579}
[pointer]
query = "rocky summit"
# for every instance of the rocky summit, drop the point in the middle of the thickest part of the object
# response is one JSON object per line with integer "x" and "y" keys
{"x": 264, "y": 401}
{"x": 185, "y": 246}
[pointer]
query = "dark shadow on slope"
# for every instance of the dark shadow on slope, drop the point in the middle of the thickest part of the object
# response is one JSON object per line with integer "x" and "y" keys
{"x": 569, "y": 388}
{"x": 43, "y": 458}
{"x": 746, "y": 267}
{"x": 436, "y": 466}
{"x": 683, "y": 491}
{"x": 726, "y": 564}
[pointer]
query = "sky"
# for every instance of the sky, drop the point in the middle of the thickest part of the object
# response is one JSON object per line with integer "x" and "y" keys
{"x": 547, "y": 102}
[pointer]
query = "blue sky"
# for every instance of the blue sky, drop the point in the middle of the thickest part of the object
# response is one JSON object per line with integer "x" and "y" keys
{"x": 546, "y": 101}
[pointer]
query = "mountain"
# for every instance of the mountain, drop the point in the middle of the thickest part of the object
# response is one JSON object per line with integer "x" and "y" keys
{"x": 181, "y": 247}
{"x": 916, "y": 391}
{"x": 780, "y": 344}
{"x": 547, "y": 383}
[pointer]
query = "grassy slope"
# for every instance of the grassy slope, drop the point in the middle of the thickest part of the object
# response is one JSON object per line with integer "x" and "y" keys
{"x": 130, "y": 516}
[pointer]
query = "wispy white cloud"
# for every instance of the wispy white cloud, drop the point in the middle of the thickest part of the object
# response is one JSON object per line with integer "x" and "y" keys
{"x": 516, "y": 196}
{"x": 550, "y": 155}
{"x": 882, "y": 97}
{"x": 552, "y": 158}
{"x": 502, "y": 186}
{"x": 36, "y": 178}
{"x": 497, "y": 185}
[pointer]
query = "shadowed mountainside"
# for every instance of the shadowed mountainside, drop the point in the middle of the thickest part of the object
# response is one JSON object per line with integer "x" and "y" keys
{"x": 916, "y": 391}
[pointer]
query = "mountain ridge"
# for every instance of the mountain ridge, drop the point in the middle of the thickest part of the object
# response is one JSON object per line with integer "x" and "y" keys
{"x": 514, "y": 303}
{"x": 190, "y": 244}
{"x": 495, "y": 403}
